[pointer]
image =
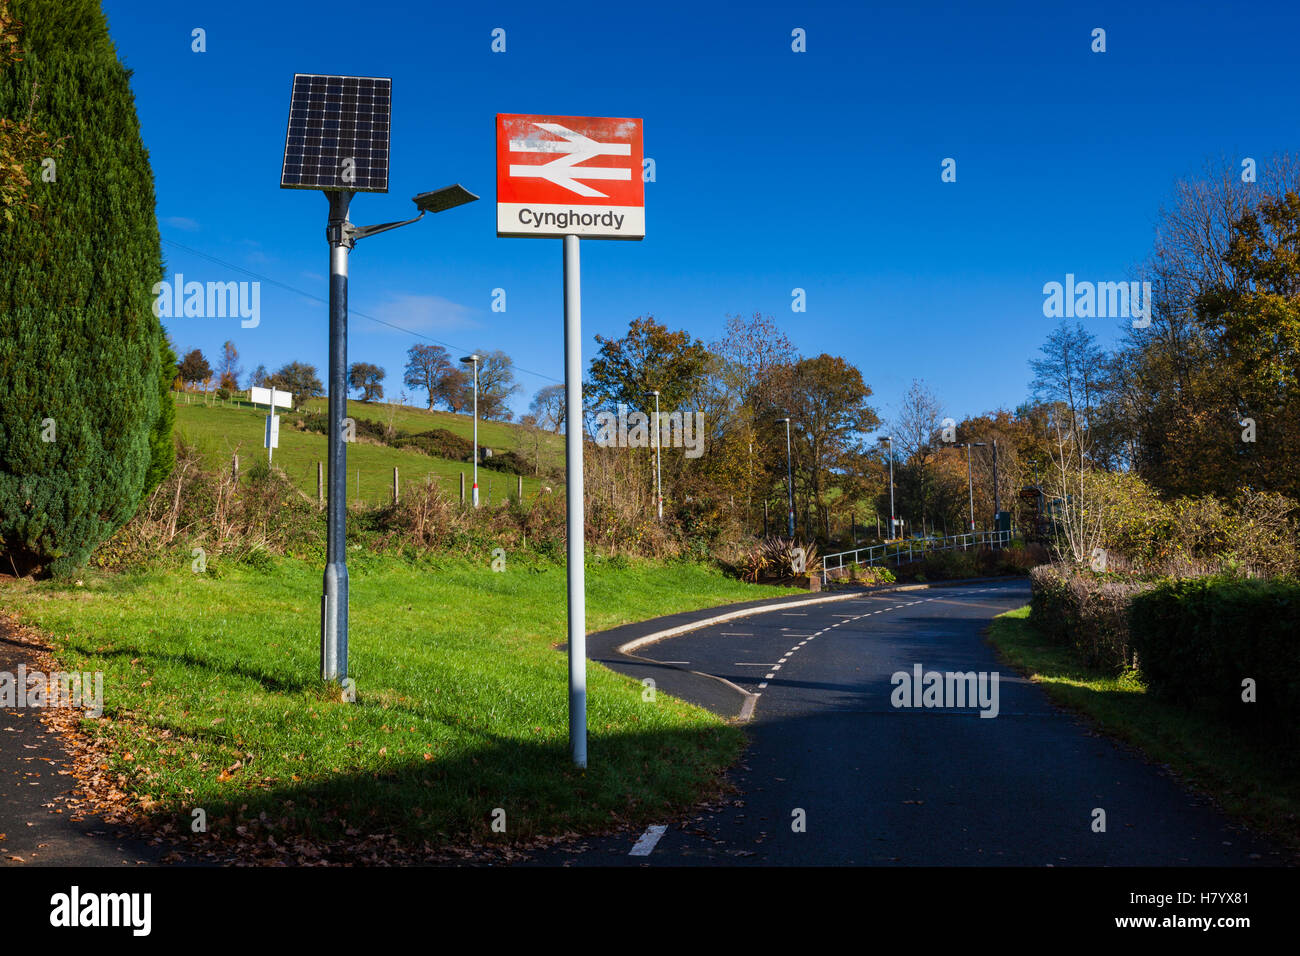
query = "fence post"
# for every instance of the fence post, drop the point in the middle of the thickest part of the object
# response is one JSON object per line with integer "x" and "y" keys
{"x": 462, "y": 488}
{"x": 320, "y": 485}
{"x": 234, "y": 468}
{"x": 394, "y": 484}
{"x": 520, "y": 492}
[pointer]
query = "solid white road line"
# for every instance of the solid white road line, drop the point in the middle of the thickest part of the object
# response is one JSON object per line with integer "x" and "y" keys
{"x": 648, "y": 840}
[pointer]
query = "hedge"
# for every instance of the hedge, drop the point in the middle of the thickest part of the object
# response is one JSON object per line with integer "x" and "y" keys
{"x": 1198, "y": 639}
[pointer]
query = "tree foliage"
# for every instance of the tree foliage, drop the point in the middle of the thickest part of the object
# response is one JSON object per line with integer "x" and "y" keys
{"x": 83, "y": 427}
{"x": 366, "y": 378}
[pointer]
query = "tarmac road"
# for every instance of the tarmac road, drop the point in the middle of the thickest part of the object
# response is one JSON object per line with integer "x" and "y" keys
{"x": 893, "y": 786}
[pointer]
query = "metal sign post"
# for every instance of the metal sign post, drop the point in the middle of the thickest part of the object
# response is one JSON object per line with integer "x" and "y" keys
{"x": 574, "y": 504}
{"x": 564, "y": 177}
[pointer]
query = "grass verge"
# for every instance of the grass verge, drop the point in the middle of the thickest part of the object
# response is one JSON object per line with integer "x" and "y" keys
{"x": 211, "y": 699}
{"x": 1251, "y": 779}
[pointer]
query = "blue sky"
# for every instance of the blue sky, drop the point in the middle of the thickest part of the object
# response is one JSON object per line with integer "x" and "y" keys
{"x": 775, "y": 169}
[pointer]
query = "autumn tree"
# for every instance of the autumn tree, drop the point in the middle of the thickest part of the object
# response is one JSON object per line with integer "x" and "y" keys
{"x": 194, "y": 368}
{"x": 455, "y": 390}
{"x": 366, "y": 378}
{"x": 426, "y": 367}
{"x": 1253, "y": 322}
{"x": 228, "y": 370}
{"x": 648, "y": 358}
{"x": 298, "y": 378}
{"x": 827, "y": 399}
{"x": 496, "y": 383}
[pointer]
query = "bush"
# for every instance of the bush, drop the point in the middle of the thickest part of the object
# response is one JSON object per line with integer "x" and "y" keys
{"x": 81, "y": 342}
{"x": 438, "y": 442}
{"x": 774, "y": 559}
{"x": 1198, "y": 639}
{"x": 940, "y": 566}
{"x": 1086, "y": 611}
{"x": 510, "y": 462}
{"x": 870, "y": 574}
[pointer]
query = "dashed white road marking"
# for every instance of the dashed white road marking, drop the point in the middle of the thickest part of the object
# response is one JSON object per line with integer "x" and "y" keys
{"x": 646, "y": 844}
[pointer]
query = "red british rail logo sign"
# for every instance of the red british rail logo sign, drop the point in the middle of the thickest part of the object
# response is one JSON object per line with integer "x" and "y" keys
{"x": 570, "y": 175}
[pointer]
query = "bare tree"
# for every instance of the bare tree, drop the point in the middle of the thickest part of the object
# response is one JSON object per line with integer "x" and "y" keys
{"x": 548, "y": 408}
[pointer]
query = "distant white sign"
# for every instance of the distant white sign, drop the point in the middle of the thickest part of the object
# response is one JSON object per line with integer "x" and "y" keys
{"x": 272, "y": 397}
{"x": 272, "y": 439}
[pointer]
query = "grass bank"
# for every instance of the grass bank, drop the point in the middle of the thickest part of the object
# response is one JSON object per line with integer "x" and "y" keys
{"x": 1254, "y": 781}
{"x": 220, "y": 431}
{"x": 211, "y": 699}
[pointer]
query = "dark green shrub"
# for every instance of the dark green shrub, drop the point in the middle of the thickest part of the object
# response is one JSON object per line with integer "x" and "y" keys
{"x": 80, "y": 340}
{"x": 1197, "y": 640}
{"x": 440, "y": 443}
{"x": 509, "y": 462}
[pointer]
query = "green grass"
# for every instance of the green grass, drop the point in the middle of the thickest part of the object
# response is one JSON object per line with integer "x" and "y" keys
{"x": 221, "y": 431}
{"x": 1254, "y": 780}
{"x": 461, "y": 697}
{"x": 499, "y": 436}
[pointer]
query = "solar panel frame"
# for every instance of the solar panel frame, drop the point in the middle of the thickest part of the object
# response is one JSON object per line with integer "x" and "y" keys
{"x": 334, "y": 118}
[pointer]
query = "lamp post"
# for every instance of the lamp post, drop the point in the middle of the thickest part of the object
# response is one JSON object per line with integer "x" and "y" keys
{"x": 997, "y": 494}
{"x": 473, "y": 360}
{"x": 970, "y": 483}
{"x": 659, "y": 478}
{"x": 342, "y": 235}
{"x": 789, "y": 478}
{"x": 893, "y": 522}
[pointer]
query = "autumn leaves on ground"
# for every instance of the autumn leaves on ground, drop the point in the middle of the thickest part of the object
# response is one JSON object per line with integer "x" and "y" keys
{"x": 212, "y": 705}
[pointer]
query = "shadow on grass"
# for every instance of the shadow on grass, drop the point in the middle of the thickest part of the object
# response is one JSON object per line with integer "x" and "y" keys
{"x": 499, "y": 794}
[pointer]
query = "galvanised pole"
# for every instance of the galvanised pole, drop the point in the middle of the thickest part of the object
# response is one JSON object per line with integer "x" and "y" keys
{"x": 659, "y": 477}
{"x": 475, "y": 491}
{"x": 574, "y": 503}
{"x": 334, "y": 600}
{"x": 893, "y": 520}
{"x": 997, "y": 499}
{"x": 970, "y": 487}
{"x": 789, "y": 478}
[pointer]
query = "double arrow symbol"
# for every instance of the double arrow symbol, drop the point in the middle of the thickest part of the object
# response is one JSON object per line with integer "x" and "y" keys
{"x": 564, "y": 170}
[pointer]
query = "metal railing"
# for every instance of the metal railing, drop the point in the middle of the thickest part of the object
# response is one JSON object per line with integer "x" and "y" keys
{"x": 912, "y": 549}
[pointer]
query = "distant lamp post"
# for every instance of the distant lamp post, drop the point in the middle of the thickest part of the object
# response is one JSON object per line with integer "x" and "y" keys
{"x": 473, "y": 360}
{"x": 970, "y": 483}
{"x": 789, "y": 478}
{"x": 893, "y": 522}
{"x": 659, "y": 478}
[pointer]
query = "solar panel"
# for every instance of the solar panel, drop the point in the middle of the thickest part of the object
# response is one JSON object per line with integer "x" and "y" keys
{"x": 338, "y": 133}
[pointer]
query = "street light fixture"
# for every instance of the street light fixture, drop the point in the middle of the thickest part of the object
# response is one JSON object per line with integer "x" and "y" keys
{"x": 893, "y": 522}
{"x": 473, "y": 360}
{"x": 659, "y": 478}
{"x": 789, "y": 478}
{"x": 341, "y": 161}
